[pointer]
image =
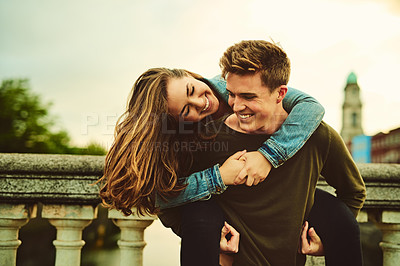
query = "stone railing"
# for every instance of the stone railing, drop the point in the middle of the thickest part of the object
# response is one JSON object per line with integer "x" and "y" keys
{"x": 64, "y": 185}
{"x": 382, "y": 207}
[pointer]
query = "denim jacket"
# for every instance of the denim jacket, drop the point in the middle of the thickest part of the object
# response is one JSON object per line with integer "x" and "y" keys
{"x": 305, "y": 115}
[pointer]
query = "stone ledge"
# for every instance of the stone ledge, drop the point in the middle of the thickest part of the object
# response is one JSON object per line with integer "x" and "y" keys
{"x": 50, "y": 163}
{"x": 50, "y": 178}
{"x": 383, "y": 185}
{"x": 70, "y": 179}
{"x": 382, "y": 172}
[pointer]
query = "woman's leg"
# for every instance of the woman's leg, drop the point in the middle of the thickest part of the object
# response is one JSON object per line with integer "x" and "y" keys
{"x": 202, "y": 222}
{"x": 337, "y": 228}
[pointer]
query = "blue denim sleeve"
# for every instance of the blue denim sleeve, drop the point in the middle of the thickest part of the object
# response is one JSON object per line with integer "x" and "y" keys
{"x": 200, "y": 186}
{"x": 305, "y": 115}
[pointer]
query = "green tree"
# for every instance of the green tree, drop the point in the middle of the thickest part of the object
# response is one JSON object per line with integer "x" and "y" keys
{"x": 92, "y": 148}
{"x": 25, "y": 122}
{"x": 27, "y": 126}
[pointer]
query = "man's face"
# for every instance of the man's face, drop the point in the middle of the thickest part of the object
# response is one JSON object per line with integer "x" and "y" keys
{"x": 253, "y": 103}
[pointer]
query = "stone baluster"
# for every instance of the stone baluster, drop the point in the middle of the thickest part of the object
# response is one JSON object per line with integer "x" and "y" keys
{"x": 12, "y": 218}
{"x": 132, "y": 241}
{"x": 390, "y": 226}
{"x": 69, "y": 221}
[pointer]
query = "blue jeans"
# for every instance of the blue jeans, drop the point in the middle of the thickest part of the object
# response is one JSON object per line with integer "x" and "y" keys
{"x": 202, "y": 222}
{"x": 338, "y": 230}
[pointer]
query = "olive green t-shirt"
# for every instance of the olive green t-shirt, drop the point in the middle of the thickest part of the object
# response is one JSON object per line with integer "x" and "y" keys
{"x": 269, "y": 216}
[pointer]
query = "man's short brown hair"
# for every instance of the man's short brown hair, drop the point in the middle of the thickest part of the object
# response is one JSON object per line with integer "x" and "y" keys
{"x": 251, "y": 57}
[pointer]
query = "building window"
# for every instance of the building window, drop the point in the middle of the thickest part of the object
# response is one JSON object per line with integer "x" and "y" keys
{"x": 354, "y": 119}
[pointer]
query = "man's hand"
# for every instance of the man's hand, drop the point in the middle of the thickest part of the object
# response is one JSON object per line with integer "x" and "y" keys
{"x": 232, "y": 167}
{"x": 312, "y": 246}
{"x": 231, "y": 245}
{"x": 256, "y": 169}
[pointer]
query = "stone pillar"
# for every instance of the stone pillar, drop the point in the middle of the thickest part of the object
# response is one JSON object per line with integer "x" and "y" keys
{"x": 132, "y": 241}
{"x": 390, "y": 226}
{"x": 69, "y": 221}
{"x": 12, "y": 218}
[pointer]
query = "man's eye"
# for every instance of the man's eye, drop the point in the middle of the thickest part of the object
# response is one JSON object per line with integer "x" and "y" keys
{"x": 231, "y": 94}
{"x": 249, "y": 97}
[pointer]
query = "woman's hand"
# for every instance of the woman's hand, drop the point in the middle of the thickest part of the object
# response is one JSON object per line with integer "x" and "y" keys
{"x": 231, "y": 245}
{"x": 232, "y": 167}
{"x": 312, "y": 246}
{"x": 256, "y": 169}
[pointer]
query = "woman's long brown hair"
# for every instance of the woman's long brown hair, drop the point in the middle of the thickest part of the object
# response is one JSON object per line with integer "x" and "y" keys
{"x": 142, "y": 160}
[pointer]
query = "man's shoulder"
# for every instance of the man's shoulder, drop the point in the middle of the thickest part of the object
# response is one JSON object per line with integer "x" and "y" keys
{"x": 325, "y": 133}
{"x": 323, "y": 128}
{"x": 322, "y": 133}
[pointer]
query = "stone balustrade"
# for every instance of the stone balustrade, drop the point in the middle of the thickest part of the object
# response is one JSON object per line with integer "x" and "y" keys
{"x": 65, "y": 185}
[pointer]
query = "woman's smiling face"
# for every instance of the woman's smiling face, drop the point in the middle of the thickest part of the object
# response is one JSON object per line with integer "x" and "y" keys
{"x": 190, "y": 99}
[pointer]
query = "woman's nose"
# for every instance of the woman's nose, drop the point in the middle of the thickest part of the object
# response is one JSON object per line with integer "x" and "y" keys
{"x": 197, "y": 102}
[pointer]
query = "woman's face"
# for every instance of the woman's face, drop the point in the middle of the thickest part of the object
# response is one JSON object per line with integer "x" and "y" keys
{"x": 190, "y": 99}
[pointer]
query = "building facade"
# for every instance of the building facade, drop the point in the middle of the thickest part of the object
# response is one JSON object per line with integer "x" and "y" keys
{"x": 361, "y": 149}
{"x": 380, "y": 148}
{"x": 385, "y": 147}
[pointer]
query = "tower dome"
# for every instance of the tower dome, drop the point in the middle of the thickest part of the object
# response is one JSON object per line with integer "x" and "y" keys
{"x": 352, "y": 78}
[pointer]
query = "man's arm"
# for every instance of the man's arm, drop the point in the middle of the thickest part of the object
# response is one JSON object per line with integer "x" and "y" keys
{"x": 305, "y": 115}
{"x": 341, "y": 172}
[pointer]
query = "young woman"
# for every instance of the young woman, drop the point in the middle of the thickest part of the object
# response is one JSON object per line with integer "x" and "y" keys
{"x": 146, "y": 167}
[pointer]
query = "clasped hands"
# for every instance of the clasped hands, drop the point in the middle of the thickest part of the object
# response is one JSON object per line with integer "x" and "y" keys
{"x": 242, "y": 167}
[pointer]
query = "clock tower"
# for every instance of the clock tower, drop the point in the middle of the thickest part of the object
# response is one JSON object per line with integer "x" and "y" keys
{"x": 352, "y": 107}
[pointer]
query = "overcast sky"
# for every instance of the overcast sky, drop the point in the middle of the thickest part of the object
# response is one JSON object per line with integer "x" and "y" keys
{"x": 84, "y": 56}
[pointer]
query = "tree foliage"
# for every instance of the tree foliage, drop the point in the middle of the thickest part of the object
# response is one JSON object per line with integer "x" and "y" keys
{"x": 92, "y": 148}
{"x": 27, "y": 126}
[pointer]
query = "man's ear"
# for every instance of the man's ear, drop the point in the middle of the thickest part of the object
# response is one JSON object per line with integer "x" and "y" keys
{"x": 282, "y": 90}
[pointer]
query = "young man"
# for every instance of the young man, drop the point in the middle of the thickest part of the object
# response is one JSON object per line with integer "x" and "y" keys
{"x": 269, "y": 216}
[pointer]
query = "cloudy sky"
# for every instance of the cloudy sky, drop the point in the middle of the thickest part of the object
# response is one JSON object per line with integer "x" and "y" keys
{"x": 85, "y": 55}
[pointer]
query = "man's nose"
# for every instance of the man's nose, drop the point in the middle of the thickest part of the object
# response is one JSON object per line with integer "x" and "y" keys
{"x": 237, "y": 105}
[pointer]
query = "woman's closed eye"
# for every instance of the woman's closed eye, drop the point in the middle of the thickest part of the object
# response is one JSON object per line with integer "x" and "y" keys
{"x": 189, "y": 89}
{"x": 187, "y": 110}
